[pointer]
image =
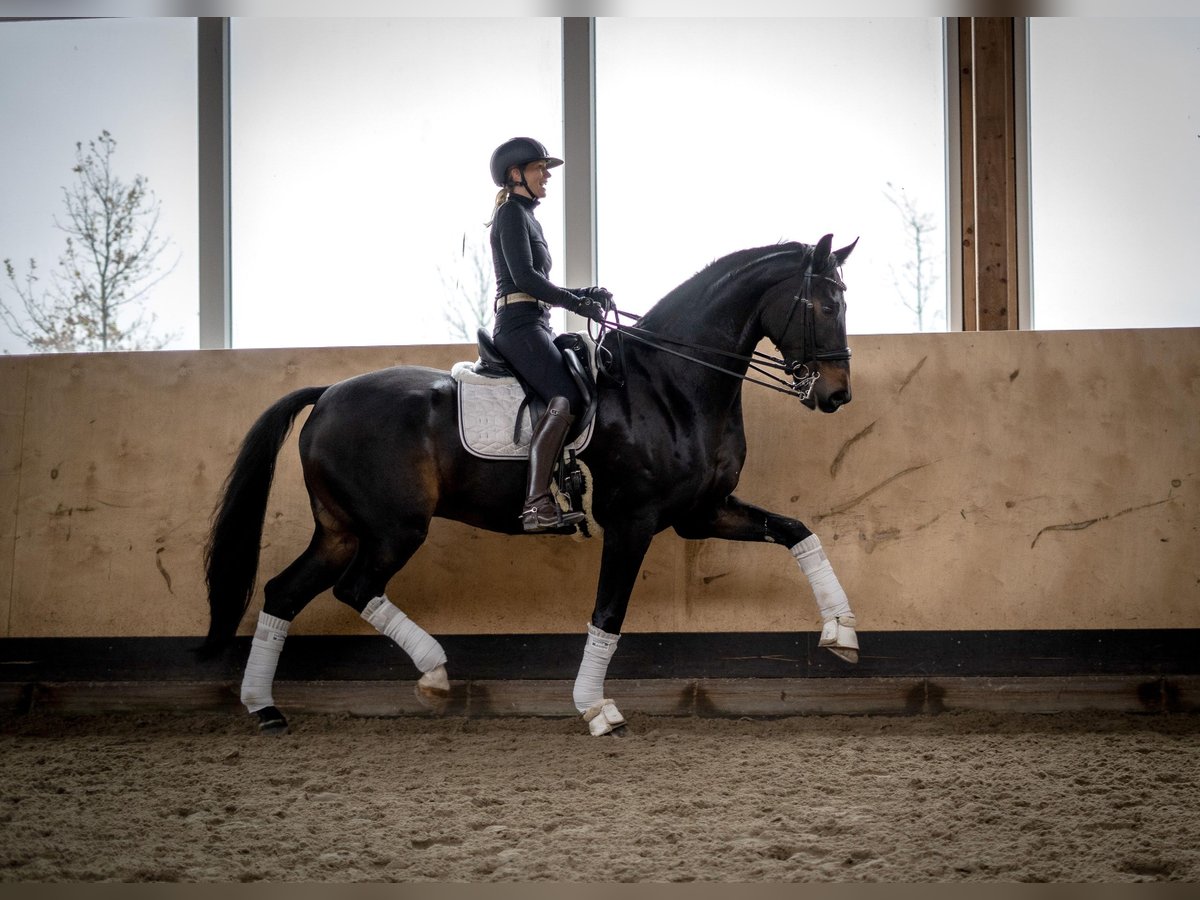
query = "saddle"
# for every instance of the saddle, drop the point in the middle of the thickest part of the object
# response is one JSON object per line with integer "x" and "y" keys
{"x": 497, "y": 409}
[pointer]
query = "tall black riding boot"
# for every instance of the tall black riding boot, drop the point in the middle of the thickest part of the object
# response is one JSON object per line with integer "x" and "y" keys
{"x": 541, "y": 511}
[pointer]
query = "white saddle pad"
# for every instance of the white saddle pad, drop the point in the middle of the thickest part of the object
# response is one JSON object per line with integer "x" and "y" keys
{"x": 487, "y": 414}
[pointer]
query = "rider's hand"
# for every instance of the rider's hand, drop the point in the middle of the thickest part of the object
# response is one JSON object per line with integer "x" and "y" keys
{"x": 601, "y": 295}
{"x": 588, "y": 307}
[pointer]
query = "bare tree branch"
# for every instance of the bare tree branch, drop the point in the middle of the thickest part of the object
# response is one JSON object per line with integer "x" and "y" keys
{"x": 471, "y": 287}
{"x": 95, "y": 299}
{"x": 919, "y": 273}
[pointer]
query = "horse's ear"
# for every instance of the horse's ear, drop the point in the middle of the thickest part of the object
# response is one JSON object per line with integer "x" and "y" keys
{"x": 821, "y": 252}
{"x": 844, "y": 252}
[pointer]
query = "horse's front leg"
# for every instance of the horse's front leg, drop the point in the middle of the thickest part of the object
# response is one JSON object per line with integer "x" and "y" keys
{"x": 735, "y": 520}
{"x": 624, "y": 550}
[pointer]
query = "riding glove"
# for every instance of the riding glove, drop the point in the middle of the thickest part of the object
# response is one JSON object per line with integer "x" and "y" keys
{"x": 601, "y": 295}
{"x": 588, "y": 307}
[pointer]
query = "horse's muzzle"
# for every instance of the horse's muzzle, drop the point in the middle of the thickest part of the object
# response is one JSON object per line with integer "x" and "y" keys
{"x": 829, "y": 403}
{"x": 835, "y": 401}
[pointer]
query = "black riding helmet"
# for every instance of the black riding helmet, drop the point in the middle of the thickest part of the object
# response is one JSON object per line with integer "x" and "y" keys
{"x": 519, "y": 151}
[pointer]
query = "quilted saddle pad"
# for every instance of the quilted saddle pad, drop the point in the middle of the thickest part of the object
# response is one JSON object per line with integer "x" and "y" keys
{"x": 487, "y": 416}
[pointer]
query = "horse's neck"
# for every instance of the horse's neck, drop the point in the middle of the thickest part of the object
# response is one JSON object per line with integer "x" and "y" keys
{"x": 721, "y": 312}
{"x": 730, "y": 322}
{"x": 680, "y": 347}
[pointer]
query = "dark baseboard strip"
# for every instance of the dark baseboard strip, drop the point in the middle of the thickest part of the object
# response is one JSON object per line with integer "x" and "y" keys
{"x": 922, "y": 655}
{"x": 712, "y": 698}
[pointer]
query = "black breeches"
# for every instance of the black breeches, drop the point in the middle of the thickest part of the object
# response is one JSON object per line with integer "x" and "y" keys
{"x": 527, "y": 342}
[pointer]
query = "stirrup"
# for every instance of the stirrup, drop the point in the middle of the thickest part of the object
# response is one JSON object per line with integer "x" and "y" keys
{"x": 544, "y": 514}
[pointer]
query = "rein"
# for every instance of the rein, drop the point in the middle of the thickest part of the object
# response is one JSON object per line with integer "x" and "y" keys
{"x": 802, "y": 383}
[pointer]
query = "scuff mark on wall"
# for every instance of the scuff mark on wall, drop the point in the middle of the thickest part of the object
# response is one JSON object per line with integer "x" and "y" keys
{"x": 61, "y": 510}
{"x": 841, "y": 454}
{"x": 1088, "y": 523}
{"x": 911, "y": 375}
{"x": 162, "y": 570}
{"x": 884, "y": 535}
{"x": 849, "y": 505}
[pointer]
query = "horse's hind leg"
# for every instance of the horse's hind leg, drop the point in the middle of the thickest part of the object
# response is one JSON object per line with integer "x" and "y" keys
{"x": 285, "y": 595}
{"x": 735, "y": 520}
{"x": 363, "y": 588}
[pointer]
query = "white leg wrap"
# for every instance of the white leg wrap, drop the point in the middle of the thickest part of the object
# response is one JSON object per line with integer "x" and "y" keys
{"x": 831, "y": 599}
{"x": 838, "y": 633}
{"x": 427, "y": 654}
{"x": 589, "y": 683}
{"x": 264, "y": 658}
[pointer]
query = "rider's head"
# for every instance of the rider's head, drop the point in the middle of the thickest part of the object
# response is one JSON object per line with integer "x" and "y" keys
{"x": 523, "y": 163}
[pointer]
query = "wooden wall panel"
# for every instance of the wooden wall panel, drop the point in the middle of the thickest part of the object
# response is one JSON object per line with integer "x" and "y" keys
{"x": 1006, "y": 480}
{"x": 13, "y": 373}
{"x": 996, "y": 480}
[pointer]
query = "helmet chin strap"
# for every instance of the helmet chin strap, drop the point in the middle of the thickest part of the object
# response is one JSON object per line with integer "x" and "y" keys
{"x": 524, "y": 183}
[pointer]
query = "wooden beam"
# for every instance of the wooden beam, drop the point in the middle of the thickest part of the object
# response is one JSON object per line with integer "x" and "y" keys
{"x": 988, "y": 153}
{"x": 966, "y": 149}
{"x": 705, "y": 697}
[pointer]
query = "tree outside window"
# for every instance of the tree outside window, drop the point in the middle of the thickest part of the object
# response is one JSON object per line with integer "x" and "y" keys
{"x": 97, "y": 298}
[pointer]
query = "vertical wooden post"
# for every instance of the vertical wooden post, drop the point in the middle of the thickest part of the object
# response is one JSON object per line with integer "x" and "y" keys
{"x": 988, "y": 153}
{"x": 212, "y": 61}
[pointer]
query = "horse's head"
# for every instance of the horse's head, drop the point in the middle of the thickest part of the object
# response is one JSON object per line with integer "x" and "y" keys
{"x": 806, "y": 318}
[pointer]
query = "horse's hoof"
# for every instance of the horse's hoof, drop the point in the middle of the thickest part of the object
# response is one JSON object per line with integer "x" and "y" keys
{"x": 619, "y": 731}
{"x": 433, "y": 690}
{"x": 271, "y": 721}
{"x": 839, "y": 638}
{"x": 604, "y": 718}
{"x": 431, "y": 699}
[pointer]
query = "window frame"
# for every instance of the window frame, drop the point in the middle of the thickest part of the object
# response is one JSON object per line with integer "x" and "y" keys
{"x": 975, "y": 73}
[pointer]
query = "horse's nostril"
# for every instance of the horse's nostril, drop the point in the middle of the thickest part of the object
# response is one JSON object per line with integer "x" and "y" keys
{"x": 839, "y": 398}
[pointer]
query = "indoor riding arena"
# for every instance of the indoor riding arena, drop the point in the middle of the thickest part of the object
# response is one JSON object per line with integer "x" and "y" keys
{"x": 1013, "y": 514}
{"x": 1023, "y": 570}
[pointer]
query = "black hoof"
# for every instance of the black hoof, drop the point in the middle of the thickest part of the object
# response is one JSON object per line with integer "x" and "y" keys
{"x": 619, "y": 732}
{"x": 271, "y": 721}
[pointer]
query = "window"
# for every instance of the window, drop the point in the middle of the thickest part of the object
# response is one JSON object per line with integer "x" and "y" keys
{"x": 1114, "y": 171}
{"x": 359, "y": 171}
{"x": 719, "y": 134}
{"x": 67, "y": 82}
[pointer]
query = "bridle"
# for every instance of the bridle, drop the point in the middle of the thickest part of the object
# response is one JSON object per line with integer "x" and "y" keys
{"x": 803, "y": 371}
{"x": 804, "y": 381}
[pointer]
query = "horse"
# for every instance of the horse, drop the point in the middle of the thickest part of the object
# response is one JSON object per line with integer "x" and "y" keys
{"x": 381, "y": 457}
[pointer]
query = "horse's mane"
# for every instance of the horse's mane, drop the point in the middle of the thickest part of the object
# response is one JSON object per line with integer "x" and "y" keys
{"x": 720, "y": 277}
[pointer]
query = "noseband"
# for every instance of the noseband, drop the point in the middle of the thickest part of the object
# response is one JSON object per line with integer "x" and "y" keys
{"x": 803, "y": 369}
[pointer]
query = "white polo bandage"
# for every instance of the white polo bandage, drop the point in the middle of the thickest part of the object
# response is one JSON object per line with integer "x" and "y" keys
{"x": 426, "y": 653}
{"x": 597, "y": 652}
{"x": 831, "y": 599}
{"x": 264, "y": 658}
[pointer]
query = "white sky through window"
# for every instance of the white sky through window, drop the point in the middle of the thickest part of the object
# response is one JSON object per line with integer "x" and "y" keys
{"x": 360, "y": 152}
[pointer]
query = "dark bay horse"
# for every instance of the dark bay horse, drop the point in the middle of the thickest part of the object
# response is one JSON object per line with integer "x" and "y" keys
{"x": 382, "y": 456}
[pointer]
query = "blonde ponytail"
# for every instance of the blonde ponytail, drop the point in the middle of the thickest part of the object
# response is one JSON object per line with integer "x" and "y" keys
{"x": 501, "y": 197}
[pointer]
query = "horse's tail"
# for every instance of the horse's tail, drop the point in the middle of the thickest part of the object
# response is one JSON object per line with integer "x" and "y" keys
{"x": 231, "y": 554}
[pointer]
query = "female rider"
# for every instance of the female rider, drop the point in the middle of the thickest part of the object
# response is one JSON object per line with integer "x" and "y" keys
{"x": 524, "y": 294}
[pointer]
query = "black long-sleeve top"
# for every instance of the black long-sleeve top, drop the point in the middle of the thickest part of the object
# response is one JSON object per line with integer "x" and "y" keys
{"x": 521, "y": 256}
